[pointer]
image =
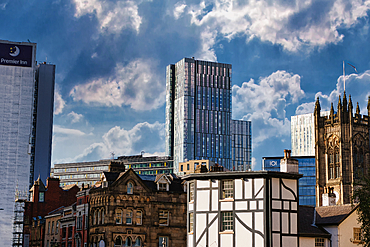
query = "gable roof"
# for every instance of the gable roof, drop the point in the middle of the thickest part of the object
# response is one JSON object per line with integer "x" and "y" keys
{"x": 334, "y": 215}
{"x": 306, "y": 226}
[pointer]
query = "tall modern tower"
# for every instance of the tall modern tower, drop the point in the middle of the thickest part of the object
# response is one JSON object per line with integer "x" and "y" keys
{"x": 198, "y": 112}
{"x": 22, "y": 130}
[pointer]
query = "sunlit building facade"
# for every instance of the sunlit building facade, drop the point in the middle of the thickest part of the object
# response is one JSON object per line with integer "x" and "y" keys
{"x": 198, "y": 112}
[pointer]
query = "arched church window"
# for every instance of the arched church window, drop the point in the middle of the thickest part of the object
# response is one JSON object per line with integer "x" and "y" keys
{"x": 118, "y": 242}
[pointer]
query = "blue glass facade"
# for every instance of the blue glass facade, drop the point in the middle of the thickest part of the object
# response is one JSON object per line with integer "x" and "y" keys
{"x": 307, "y": 184}
{"x": 241, "y": 145}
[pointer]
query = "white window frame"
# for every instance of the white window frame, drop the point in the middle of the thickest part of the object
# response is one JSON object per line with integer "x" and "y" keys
{"x": 163, "y": 215}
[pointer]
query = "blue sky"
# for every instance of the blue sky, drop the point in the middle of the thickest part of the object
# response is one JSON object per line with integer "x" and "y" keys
{"x": 111, "y": 58}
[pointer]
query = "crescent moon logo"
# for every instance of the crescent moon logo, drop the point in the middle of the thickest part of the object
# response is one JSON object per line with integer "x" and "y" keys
{"x": 14, "y": 51}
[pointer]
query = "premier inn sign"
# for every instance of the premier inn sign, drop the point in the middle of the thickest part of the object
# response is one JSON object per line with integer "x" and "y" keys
{"x": 16, "y": 55}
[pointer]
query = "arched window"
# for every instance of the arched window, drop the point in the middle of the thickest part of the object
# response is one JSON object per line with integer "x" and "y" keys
{"x": 102, "y": 216}
{"x": 138, "y": 242}
{"x": 99, "y": 219}
{"x": 128, "y": 242}
{"x": 130, "y": 188}
{"x": 129, "y": 217}
{"x": 331, "y": 165}
{"x": 337, "y": 164}
{"x": 139, "y": 217}
{"x": 118, "y": 216}
{"x": 118, "y": 242}
{"x": 94, "y": 218}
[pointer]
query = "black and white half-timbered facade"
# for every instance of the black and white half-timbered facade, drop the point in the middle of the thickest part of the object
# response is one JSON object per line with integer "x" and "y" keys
{"x": 242, "y": 209}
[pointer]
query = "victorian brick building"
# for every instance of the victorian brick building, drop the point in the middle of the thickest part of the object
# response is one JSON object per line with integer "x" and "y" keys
{"x": 342, "y": 151}
{"x": 44, "y": 199}
{"x": 127, "y": 209}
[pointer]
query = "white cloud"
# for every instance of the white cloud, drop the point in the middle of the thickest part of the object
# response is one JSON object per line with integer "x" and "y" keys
{"x": 264, "y": 103}
{"x": 112, "y": 16}
{"x": 75, "y": 117}
{"x": 136, "y": 85}
{"x": 66, "y": 131}
{"x": 59, "y": 103}
{"x": 179, "y": 9}
{"x": 142, "y": 137}
{"x": 357, "y": 85}
{"x": 292, "y": 24}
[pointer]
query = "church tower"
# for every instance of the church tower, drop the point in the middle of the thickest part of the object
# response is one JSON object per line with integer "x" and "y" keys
{"x": 341, "y": 151}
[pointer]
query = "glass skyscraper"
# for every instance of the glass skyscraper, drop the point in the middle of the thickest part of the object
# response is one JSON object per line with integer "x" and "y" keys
{"x": 241, "y": 144}
{"x": 20, "y": 139}
{"x": 307, "y": 184}
{"x": 198, "y": 111}
{"x": 198, "y": 114}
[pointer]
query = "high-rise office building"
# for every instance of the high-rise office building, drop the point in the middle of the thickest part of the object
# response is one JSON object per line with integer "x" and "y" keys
{"x": 22, "y": 83}
{"x": 198, "y": 111}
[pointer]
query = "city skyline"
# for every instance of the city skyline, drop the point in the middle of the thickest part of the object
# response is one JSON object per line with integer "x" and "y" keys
{"x": 111, "y": 58}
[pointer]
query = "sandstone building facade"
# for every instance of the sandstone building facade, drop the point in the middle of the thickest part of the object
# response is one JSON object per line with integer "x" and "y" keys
{"x": 127, "y": 209}
{"x": 341, "y": 151}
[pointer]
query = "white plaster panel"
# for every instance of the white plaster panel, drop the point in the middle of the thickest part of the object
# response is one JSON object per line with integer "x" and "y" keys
{"x": 241, "y": 205}
{"x": 260, "y": 204}
{"x": 202, "y": 200}
{"x": 275, "y": 184}
{"x": 294, "y": 205}
{"x": 213, "y": 233}
{"x": 252, "y": 205}
{"x": 226, "y": 206}
{"x": 285, "y": 223}
{"x": 276, "y": 221}
{"x": 286, "y": 205}
{"x": 190, "y": 240}
{"x": 203, "y": 184}
{"x": 258, "y": 183}
{"x": 238, "y": 189}
{"x": 293, "y": 223}
{"x": 276, "y": 204}
{"x": 214, "y": 183}
{"x": 276, "y": 240}
{"x": 289, "y": 241}
{"x": 226, "y": 240}
{"x": 214, "y": 200}
{"x": 248, "y": 188}
{"x": 202, "y": 241}
{"x": 191, "y": 206}
{"x": 211, "y": 216}
{"x": 258, "y": 240}
{"x": 243, "y": 237}
{"x": 201, "y": 224}
{"x": 259, "y": 222}
{"x": 246, "y": 218}
{"x": 291, "y": 184}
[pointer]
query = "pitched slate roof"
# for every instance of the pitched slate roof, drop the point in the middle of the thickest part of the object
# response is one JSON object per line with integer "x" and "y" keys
{"x": 334, "y": 215}
{"x": 306, "y": 226}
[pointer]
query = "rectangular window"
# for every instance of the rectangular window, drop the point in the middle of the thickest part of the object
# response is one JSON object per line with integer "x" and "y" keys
{"x": 227, "y": 189}
{"x": 182, "y": 167}
{"x": 64, "y": 232}
{"x": 191, "y": 222}
{"x": 162, "y": 186}
{"x": 357, "y": 235}
{"x": 129, "y": 217}
{"x": 119, "y": 216}
{"x": 227, "y": 221}
{"x": 319, "y": 242}
{"x": 70, "y": 231}
{"x": 191, "y": 192}
{"x": 139, "y": 217}
{"x": 163, "y": 241}
{"x": 41, "y": 196}
{"x": 163, "y": 218}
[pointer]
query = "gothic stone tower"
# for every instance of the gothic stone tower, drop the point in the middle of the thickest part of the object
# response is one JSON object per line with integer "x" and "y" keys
{"x": 341, "y": 151}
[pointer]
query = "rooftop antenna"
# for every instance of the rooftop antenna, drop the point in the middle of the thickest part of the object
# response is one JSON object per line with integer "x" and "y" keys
{"x": 112, "y": 155}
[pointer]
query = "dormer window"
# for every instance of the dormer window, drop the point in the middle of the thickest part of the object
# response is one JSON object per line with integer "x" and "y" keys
{"x": 162, "y": 186}
{"x": 130, "y": 188}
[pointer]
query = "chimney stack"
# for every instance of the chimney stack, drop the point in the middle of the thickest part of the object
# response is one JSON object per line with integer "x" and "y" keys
{"x": 287, "y": 164}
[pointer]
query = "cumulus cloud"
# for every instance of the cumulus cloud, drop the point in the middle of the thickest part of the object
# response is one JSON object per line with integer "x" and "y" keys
{"x": 265, "y": 102}
{"x": 136, "y": 85}
{"x": 357, "y": 85}
{"x": 75, "y": 117}
{"x": 142, "y": 137}
{"x": 59, "y": 103}
{"x": 292, "y": 24}
{"x": 179, "y": 9}
{"x": 112, "y": 16}
{"x": 57, "y": 129}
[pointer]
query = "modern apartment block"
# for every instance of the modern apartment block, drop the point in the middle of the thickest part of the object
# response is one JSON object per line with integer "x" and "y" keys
{"x": 89, "y": 172}
{"x": 241, "y": 145}
{"x": 198, "y": 112}
{"x": 25, "y": 150}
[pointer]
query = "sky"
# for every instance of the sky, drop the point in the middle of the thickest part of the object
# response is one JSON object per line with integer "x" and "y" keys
{"x": 111, "y": 58}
